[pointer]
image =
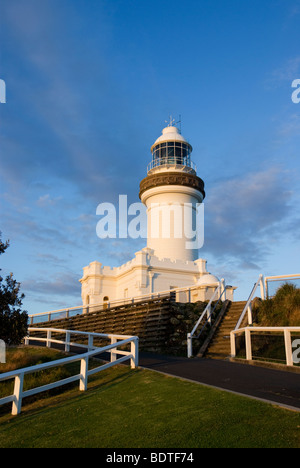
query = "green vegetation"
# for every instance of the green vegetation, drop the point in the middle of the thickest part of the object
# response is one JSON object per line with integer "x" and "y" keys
{"x": 20, "y": 357}
{"x": 140, "y": 408}
{"x": 282, "y": 310}
{"x": 13, "y": 321}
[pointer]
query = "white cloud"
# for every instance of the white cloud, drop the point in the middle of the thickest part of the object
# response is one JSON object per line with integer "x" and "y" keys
{"x": 46, "y": 200}
{"x": 245, "y": 215}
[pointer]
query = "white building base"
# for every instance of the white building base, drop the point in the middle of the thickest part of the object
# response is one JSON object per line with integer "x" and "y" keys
{"x": 147, "y": 274}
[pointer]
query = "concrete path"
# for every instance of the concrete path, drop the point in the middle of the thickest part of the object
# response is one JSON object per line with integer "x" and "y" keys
{"x": 271, "y": 385}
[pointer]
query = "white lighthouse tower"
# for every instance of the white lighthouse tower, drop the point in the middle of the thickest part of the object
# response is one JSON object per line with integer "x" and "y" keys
{"x": 173, "y": 195}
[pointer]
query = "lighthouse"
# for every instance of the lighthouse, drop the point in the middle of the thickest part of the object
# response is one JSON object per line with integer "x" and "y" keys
{"x": 173, "y": 195}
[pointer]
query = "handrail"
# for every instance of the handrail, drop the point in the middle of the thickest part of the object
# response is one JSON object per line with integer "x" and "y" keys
{"x": 277, "y": 278}
{"x": 221, "y": 289}
{"x": 248, "y": 304}
{"x": 291, "y": 357}
{"x": 116, "y": 302}
{"x": 18, "y": 374}
{"x": 210, "y": 314}
{"x": 170, "y": 161}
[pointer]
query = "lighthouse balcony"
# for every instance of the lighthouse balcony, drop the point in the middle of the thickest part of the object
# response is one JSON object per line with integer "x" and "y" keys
{"x": 172, "y": 163}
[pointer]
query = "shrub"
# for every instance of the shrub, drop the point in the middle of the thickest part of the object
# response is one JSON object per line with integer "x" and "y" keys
{"x": 13, "y": 321}
{"x": 281, "y": 310}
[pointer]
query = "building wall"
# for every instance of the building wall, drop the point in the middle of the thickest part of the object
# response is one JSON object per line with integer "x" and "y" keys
{"x": 145, "y": 274}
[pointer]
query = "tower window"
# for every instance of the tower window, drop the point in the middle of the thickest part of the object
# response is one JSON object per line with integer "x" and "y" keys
{"x": 171, "y": 153}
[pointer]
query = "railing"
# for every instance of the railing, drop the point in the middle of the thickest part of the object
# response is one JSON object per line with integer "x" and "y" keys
{"x": 248, "y": 306}
{"x": 291, "y": 357}
{"x": 171, "y": 161}
{"x": 18, "y": 375}
{"x": 219, "y": 291}
{"x": 84, "y": 309}
{"x": 278, "y": 278}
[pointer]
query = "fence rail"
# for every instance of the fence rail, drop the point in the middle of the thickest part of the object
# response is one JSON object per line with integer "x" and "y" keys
{"x": 18, "y": 375}
{"x": 291, "y": 358}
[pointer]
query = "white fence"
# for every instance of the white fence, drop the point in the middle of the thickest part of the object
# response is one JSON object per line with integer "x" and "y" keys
{"x": 291, "y": 356}
{"x": 116, "y": 341}
{"x": 262, "y": 285}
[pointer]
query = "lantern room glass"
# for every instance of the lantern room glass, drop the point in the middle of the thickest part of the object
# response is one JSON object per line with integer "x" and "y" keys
{"x": 171, "y": 152}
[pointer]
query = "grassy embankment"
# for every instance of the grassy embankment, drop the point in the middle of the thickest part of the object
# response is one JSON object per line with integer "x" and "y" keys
{"x": 140, "y": 408}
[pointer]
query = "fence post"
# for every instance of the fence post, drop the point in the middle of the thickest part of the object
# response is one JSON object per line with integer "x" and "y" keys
{"x": 134, "y": 361}
{"x": 67, "y": 343}
{"x": 84, "y": 364}
{"x": 232, "y": 344}
{"x": 250, "y": 320}
{"x": 113, "y": 354}
{"x": 90, "y": 342}
{"x": 18, "y": 390}
{"x": 288, "y": 347}
{"x": 248, "y": 344}
{"x": 48, "y": 343}
{"x": 262, "y": 290}
{"x": 189, "y": 345}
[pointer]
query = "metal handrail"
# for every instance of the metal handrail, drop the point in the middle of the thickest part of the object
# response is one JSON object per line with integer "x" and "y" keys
{"x": 248, "y": 304}
{"x": 207, "y": 311}
{"x": 209, "y": 316}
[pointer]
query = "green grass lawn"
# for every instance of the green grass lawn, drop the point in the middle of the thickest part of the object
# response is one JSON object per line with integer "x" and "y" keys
{"x": 125, "y": 408}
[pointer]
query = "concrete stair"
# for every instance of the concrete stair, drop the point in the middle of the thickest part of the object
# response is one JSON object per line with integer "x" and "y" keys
{"x": 219, "y": 347}
{"x": 149, "y": 320}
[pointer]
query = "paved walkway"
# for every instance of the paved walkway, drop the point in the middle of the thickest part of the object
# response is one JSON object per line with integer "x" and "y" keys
{"x": 274, "y": 386}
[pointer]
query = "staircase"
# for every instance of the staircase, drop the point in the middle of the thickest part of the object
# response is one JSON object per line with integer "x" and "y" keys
{"x": 149, "y": 320}
{"x": 219, "y": 347}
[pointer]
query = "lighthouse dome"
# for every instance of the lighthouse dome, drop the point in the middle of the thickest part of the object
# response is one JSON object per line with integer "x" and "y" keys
{"x": 171, "y": 150}
{"x": 208, "y": 280}
{"x": 171, "y": 133}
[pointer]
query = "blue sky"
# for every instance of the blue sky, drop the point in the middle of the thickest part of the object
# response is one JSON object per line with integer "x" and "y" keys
{"x": 90, "y": 84}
